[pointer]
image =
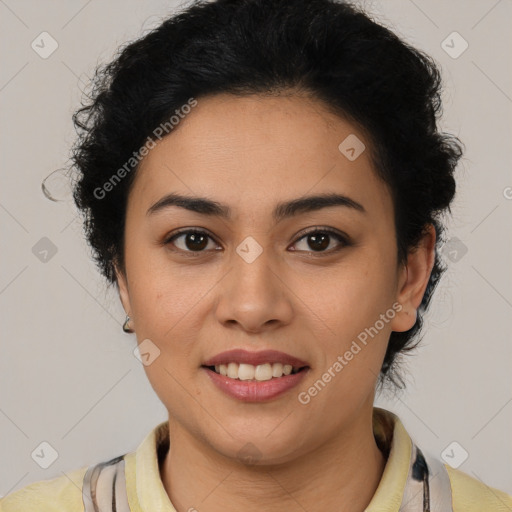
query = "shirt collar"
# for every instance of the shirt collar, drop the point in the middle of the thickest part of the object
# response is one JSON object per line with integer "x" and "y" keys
{"x": 394, "y": 441}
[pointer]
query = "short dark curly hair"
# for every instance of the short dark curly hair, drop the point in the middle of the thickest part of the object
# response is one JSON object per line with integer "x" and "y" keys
{"x": 332, "y": 51}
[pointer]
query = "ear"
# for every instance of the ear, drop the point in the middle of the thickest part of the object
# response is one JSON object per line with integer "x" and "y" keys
{"x": 413, "y": 280}
{"x": 122, "y": 285}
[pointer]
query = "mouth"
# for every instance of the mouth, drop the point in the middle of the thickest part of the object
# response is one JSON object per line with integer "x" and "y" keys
{"x": 261, "y": 372}
{"x": 240, "y": 364}
{"x": 248, "y": 383}
{"x": 255, "y": 376}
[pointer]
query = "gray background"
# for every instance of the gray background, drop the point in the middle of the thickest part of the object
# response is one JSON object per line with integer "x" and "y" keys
{"x": 68, "y": 374}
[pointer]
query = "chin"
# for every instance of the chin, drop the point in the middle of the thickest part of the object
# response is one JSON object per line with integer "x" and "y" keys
{"x": 258, "y": 444}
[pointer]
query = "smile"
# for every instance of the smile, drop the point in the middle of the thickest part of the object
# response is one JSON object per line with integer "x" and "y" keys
{"x": 261, "y": 372}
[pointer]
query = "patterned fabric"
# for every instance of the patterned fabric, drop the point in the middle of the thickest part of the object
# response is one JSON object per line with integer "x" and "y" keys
{"x": 427, "y": 488}
{"x": 428, "y": 485}
{"x": 104, "y": 487}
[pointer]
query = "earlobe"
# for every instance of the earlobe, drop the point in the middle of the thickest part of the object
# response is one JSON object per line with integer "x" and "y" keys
{"x": 413, "y": 280}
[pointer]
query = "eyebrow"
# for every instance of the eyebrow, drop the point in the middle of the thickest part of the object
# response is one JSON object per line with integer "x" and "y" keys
{"x": 283, "y": 210}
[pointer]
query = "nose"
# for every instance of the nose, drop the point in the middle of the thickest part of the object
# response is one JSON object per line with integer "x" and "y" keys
{"x": 254, "y": 296}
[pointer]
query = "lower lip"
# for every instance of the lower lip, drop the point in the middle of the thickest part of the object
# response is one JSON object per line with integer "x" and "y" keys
{"x": 254, "y": 390}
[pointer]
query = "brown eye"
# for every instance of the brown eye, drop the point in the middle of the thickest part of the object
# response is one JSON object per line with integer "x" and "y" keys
{"x": 192, "y": 240}
{"x": 320, "y": 240}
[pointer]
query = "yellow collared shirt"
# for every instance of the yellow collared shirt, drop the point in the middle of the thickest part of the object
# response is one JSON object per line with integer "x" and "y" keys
{"x": 412, "y": 481}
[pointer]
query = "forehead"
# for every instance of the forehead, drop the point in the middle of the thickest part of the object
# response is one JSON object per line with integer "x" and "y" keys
{"x": 254, "y": 151}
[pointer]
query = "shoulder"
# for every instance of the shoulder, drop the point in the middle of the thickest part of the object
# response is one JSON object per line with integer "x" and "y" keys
{"x": 472, "y": 495}
{"x": 53, "y": 495}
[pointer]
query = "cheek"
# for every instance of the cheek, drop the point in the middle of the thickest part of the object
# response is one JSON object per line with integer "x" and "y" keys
{"x": 352, "y": 294}
{"x": 350, "y": 309}
{"x": 163, "y": 293}
{"x": 168, "y": 306}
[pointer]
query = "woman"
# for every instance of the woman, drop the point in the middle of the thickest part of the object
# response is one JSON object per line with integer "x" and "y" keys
{"x": 263, "y": 182}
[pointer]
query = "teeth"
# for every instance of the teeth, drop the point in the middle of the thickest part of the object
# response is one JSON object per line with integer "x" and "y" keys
{"x": 261, "y": 372}
{"x": 277, "y": 370}
{"x": 232, "y": 371}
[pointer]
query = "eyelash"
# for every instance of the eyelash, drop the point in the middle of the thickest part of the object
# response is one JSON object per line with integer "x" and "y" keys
{"x": 338, "y": 236}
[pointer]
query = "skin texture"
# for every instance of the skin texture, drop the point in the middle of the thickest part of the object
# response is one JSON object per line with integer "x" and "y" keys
{"x": 251, "y": 153}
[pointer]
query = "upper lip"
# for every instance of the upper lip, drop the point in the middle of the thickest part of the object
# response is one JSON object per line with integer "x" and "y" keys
{"x": 254, "y": 358}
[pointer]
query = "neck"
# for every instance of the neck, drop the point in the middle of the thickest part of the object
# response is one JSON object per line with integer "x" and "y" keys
{"x": 341, "y": 475}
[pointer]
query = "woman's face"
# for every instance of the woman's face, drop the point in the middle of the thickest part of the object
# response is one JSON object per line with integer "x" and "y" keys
{"x": 255, "y": 280}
